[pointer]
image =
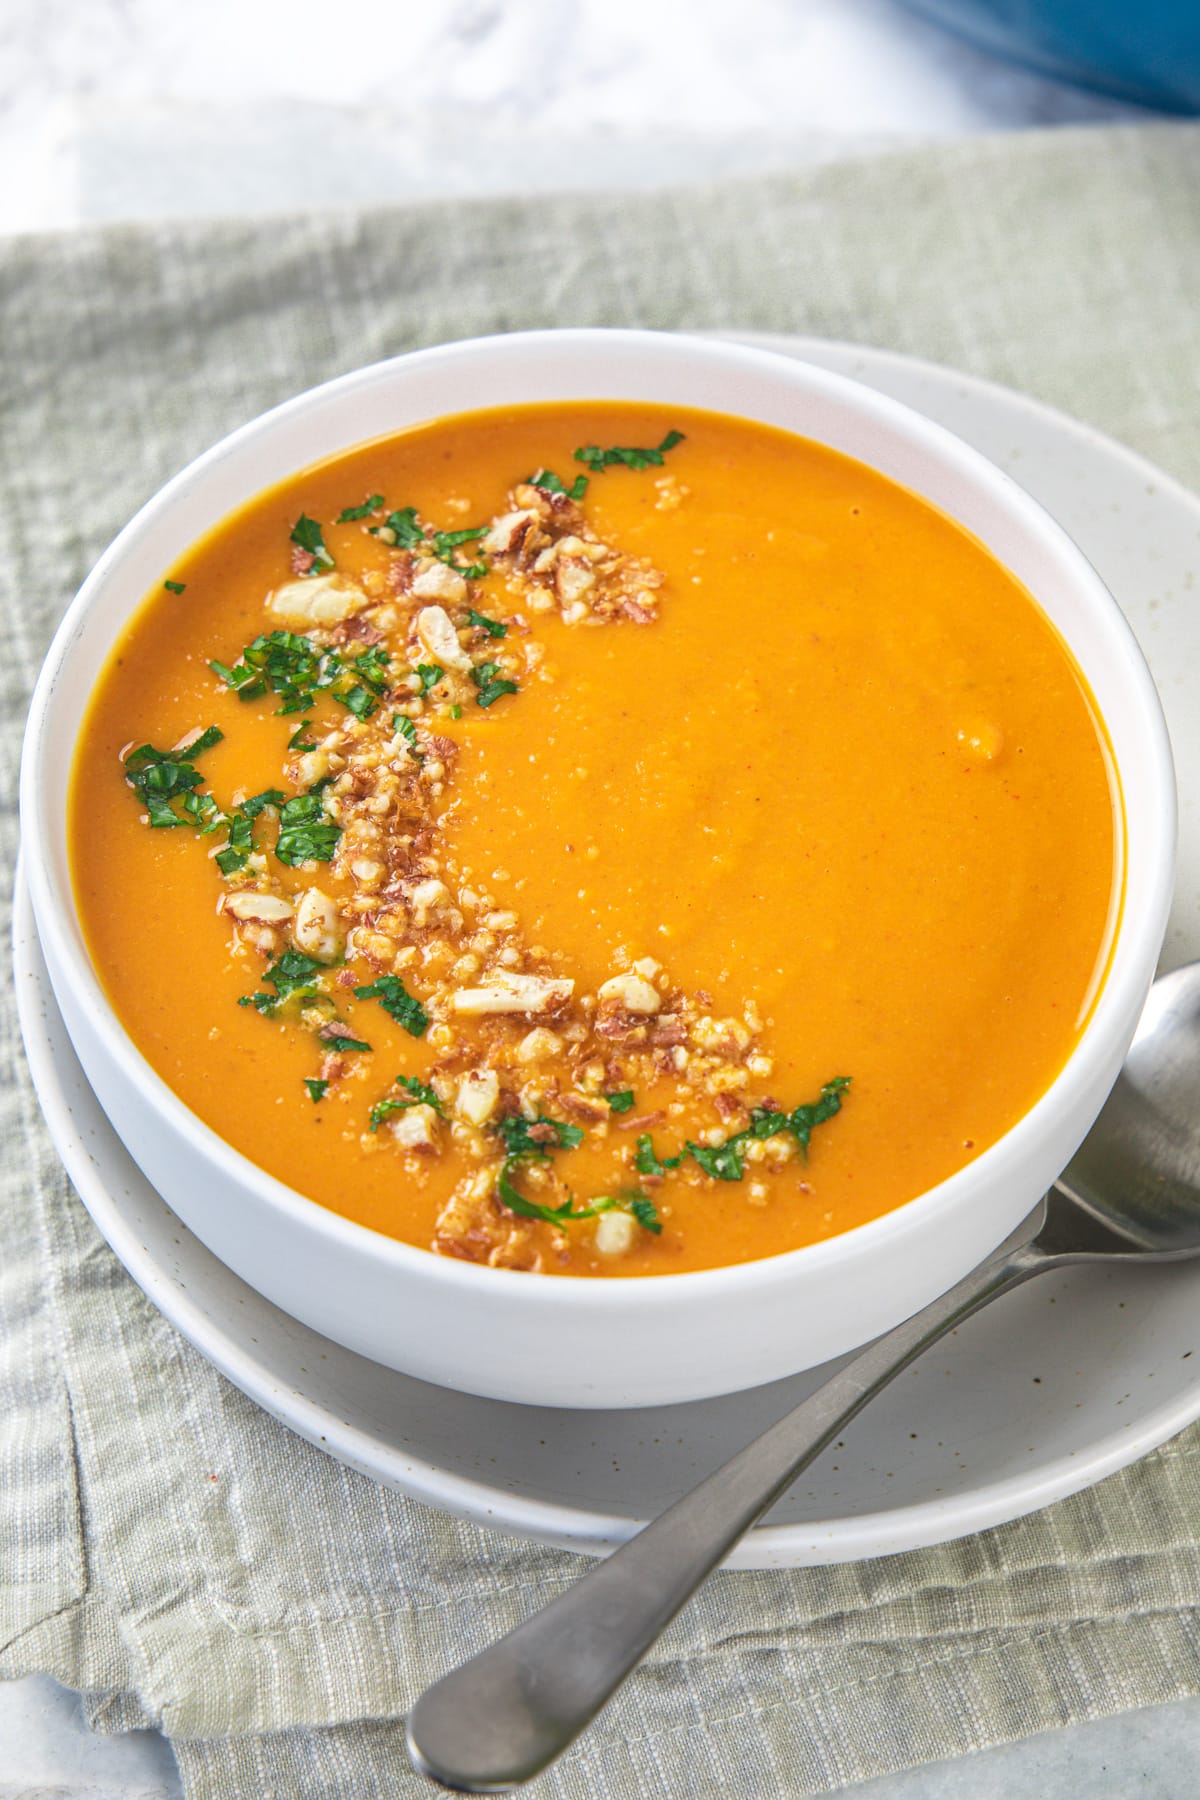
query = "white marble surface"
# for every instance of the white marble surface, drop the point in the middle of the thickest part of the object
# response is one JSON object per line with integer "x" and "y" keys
{"x": 131, "y": 109}
{"x": 118, "y": 109}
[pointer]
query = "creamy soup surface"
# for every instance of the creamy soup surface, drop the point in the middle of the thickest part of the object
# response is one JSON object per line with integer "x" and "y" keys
{"x": 597, "y": 839}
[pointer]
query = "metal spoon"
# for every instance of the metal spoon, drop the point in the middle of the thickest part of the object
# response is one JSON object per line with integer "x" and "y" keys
{"x": 1131, "y": 1191}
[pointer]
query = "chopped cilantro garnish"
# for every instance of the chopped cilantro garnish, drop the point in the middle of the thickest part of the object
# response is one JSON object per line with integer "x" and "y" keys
{"x": 418, "y": 1095}
{"x": 339, "y": 1043}
{"x": 430, "y": 675}
{"x": 802, "y": 1121}
{"x": 532, "y": 1140}
{"x": 620, "y": 1102}
{"x": 383, "y": 1109}
{"x": 456, "y": 711}
{"x": 306, "y": 533}
{"x": 422, "y": 1094}
{"x": 550, "y": 483}
{"x": 298, "y": 741}
{"x": 404, "y": 727}
{"x": 316, "y": 1089}
{"x": 491, "y": 684}
{"x": 396, "y": 1001}
{"x": 493, "y": 627}
{"x": 175, "y": 587}
{"x": 292, "y": 666}
{"x": 306, "y": 832}
{"x": 551, "y": 1134}
{"x": 370, "y": 505}
{"x": 403, "y": 528}
{"x": 634, "y": 1202}
{"x": 374, "y": 667}
{"x": 240, "y": 825}
{"x": 647, "y": 1163}
{"x": 293, "y": 976}
{"x": 724, "y": 1162}
{"x": 445, "y": 543}
{"x": 159, "y": 778}
{"x": 645, "y": 1212}
{"x": 619, "y": 457}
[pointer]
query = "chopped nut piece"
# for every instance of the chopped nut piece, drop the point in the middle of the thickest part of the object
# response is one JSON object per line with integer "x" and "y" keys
{"x": 416, "y": 1128}
{"x": 614, "y": 1233}
{"x": 318, "y": 927}
{"x": 512, "y": 994}
{"x": 631, "y": 993}
{"x": 425, "y": 898}
{"x": 436, "y": 631}
{"x": 573, "y": 578}
{"x": 263, "y": 909}
{"x": 438, "y": 581}
{"x": 508, "y": 532}
{"x": 317, "y": 600}
{"x": 478, "y": 1093}
{"x": 538, "y": 1044}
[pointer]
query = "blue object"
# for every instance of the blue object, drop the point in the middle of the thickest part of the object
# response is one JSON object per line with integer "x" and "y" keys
{"x": 1147, "y": 51}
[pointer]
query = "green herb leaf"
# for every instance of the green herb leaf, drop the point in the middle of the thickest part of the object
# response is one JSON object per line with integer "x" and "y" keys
{"x": 403, "y": 527}
{"x": 160, "y": 778}
{"x": 493, "y": 627}
{"x": 444, "y": 544}
{"x": 724, "y": 1162}
{"x": 537, "y": 1137}
{"x": 419, "y": 1095}
{"x": 619, "y": 457}
{"x": 294, "y": 976}
{"x": 456, "y": 712}
{"x": 292, "y": 666}
{"x": 430, "y": 675}
{"x": 647, "y": 1163}
{"x": 383, "y": 1109}
{"x": 645, "y": 1212}
{"x": 240, "y": 826}
{"x": 491, "y": 684}
{"x": 404, "y": 727}
{"x": 620, "y": 1102}
{"x": 635, "y": 1203}
{"x": 306, "y": 832}
{"x": 370, "y": 505}
{"x": 175, "y": 587}
{"x": 550, "y": 483}
{"x": 298, "y": 741}
{"x": 374, "y": 668}
{"x": 306, "y": 533}
{"x": 397, "y": 1002}
{"x": 339, "y": 1044}
{"x": 422, "y": 1095}
{"x": 529, "y": 1209}
{"x": 316, "y": 1089}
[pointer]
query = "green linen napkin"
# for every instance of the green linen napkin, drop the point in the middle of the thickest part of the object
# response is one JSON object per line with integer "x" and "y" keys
{"x": 175, "y": 1554}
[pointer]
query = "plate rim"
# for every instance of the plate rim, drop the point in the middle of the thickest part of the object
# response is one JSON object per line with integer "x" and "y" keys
{"x": 808, "y": 1543}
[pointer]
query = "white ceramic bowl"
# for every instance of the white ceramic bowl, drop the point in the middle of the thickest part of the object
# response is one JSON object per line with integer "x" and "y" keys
{"x": 614, "y": 1342}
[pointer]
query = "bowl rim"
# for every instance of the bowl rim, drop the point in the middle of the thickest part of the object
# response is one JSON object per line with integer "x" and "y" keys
{"x": 1121, "y": 989}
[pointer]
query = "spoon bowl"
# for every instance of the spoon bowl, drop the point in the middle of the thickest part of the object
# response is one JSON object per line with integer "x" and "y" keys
{"x": 1138, "y": 1170}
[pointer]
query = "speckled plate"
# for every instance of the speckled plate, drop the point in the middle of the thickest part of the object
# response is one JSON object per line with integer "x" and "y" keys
{"x": 1051, "y": 1389}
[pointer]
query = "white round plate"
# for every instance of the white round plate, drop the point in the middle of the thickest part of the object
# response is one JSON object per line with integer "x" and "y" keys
{"x": 1051, "y": 1389}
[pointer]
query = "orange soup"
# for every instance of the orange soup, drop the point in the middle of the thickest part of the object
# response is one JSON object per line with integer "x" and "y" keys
{"x": 596, "y": 839}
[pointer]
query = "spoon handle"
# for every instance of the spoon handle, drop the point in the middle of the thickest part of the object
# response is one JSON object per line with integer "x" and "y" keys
{"x": 499, "y": 1719}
